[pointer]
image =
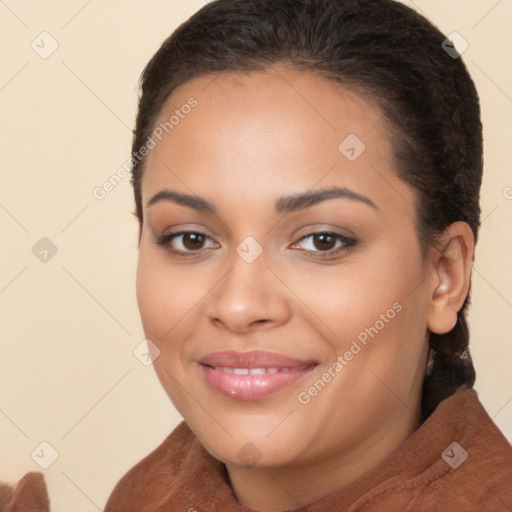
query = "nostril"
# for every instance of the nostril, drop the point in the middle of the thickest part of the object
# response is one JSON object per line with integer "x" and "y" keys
{"x": 260, "y": 321}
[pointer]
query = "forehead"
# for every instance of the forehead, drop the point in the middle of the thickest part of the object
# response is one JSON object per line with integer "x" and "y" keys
{"x": 262, "y": 132}
{"x": 279, "y": 100}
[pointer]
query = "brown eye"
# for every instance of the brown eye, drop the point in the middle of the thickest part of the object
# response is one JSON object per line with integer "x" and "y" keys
{"x": 185, "y": 242}
{"x": 324, "y": 241}
{"x": 325, "y": 244}
{"x": 193, "y": 241}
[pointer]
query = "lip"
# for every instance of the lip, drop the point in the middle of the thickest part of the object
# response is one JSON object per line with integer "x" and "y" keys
{"x": 253, "y": 359}
{"x": 280, "y": 372}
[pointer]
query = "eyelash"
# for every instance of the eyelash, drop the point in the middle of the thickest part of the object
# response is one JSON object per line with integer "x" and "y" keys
{"x": 166, "y": 239}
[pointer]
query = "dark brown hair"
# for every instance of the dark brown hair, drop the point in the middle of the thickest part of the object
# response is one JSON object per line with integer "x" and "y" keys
{"x": 379, "y": 48}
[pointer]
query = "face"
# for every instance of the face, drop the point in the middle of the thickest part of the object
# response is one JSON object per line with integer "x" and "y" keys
{"x": 291, "y": 325}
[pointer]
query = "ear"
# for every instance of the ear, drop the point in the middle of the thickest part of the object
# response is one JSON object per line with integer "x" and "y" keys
{"x": 450, "y": 277}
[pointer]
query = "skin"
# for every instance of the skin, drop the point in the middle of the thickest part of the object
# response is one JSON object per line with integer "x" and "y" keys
{"x": 251, "y": 139}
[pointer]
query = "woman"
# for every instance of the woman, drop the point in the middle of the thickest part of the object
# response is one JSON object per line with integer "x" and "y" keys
{"x": 307, "y": 177}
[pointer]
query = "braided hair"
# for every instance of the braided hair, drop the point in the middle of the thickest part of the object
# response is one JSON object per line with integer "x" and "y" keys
{"x": 379, "y": 48}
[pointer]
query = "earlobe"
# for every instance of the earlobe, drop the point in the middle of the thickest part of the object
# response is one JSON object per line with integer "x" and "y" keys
{"x": 450, "y": 278}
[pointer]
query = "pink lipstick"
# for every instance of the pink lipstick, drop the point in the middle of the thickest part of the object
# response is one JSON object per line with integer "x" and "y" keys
{"x": 252, "y": 375}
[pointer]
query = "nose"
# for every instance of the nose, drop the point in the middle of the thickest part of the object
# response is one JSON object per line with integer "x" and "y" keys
{"x": 249, "y": 297}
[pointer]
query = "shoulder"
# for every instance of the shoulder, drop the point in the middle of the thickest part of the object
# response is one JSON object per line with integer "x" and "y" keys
{"x": 474, "y": 470}
{"x": 152, "y": 478}
{"x": 480, "y": 471}
{"x": 457, "y": 460}
{"x": 30, "y": 493}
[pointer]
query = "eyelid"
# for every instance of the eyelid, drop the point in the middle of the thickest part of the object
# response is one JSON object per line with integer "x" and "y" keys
{"x": 347, "y": 242}
{"x": 166, "y": 238}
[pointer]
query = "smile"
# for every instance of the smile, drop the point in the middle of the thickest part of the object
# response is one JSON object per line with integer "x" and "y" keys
{"x": 252, "y": 375}
{"x": 255, "y": 371}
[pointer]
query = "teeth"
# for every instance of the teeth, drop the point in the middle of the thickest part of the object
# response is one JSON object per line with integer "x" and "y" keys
{"x": 253, "y": 371}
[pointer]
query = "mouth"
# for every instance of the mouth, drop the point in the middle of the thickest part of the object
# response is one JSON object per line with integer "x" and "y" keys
{"x": 252, "y": 375}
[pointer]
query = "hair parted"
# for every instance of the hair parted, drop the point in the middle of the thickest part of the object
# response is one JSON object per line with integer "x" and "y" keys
{"x": 382, "y": 49}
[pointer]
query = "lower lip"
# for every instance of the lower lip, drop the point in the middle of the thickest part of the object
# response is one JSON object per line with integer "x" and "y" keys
{"x": 252, "y": 387}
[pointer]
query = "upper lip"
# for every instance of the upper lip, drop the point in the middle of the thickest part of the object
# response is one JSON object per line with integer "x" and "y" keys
{"x": 253, "y": 359}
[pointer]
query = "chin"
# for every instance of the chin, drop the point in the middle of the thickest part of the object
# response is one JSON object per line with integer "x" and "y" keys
{"x": 250, "y": 449}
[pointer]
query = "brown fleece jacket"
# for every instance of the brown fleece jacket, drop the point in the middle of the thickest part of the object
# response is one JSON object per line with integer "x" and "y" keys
{"x": 28, "y": 495}
{"x": 425, "y": 473}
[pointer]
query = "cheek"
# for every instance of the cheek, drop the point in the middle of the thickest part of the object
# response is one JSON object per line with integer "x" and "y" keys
{"x": 388, "y": 318}
{"x": 166, "y": 295}
{"x": 372, "y": 309}
{"x": 346, "y": 299}
{"x": 165, "y": 298}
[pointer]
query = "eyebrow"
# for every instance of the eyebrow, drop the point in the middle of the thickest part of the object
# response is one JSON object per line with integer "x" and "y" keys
{"x": 285, "y": 204}
{"x": 304, "y": 200}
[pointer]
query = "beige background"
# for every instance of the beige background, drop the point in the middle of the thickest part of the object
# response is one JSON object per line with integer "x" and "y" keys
{"x": 69, "y": 326}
